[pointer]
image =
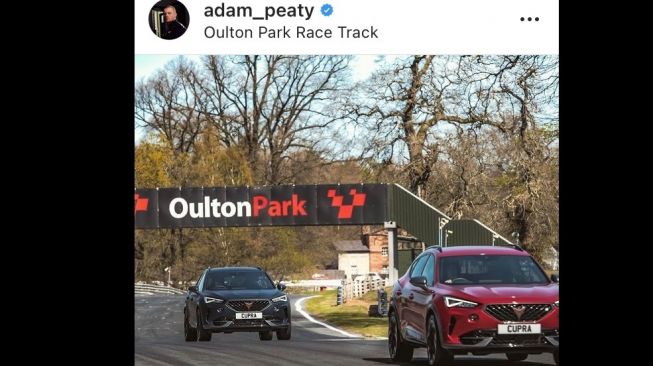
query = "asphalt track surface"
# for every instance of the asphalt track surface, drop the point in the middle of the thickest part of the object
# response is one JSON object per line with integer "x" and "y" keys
{"x": 159, "y": 340}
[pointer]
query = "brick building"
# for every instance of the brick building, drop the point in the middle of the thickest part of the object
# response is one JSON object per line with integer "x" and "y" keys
{"x": 369, "y": 254}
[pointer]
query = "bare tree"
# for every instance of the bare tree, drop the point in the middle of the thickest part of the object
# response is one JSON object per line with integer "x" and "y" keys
{"x": 272, "y": 105}
{"x": 168, "y": 103}
{"x": 519, "y": 96}
{"x": 391, "y": 107}
{"x": 403, "y": 104}
{"x": 425, "y": 113}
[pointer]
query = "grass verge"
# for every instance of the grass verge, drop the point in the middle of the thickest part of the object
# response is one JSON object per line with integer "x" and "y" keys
{"x": 351, "y": 316}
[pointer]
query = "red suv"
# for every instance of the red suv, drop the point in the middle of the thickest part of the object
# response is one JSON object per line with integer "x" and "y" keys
{"x": 474, "y": 299}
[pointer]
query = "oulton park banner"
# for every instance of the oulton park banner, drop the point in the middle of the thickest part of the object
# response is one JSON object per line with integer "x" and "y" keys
{"x": 324, "y": 204}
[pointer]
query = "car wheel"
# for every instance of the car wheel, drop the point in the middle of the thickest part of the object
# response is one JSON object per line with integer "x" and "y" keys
{"x": 265, "y": 336}
{"x": 284, "y": 334}
{"x": 398, "y": 349}
{"x": 556, "y": 357}
{"x": 436, "y": 354}
{"x": 190, "y": 333}
{"x": 516, "y": 356}
{"x": 202, "y": 335}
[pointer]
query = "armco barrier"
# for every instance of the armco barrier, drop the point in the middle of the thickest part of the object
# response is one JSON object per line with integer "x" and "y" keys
{"x": 145, "y": 289}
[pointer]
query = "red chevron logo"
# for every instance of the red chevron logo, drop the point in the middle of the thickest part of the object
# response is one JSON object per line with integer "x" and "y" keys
{"x": 346, "y": 211}
{"x": 140, "y": 204}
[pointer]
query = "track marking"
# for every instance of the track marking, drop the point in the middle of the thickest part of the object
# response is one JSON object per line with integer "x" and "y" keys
{"x": 298, "y": 307}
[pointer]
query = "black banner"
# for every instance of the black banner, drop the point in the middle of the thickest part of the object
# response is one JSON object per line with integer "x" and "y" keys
{"x": 328, "y": 204}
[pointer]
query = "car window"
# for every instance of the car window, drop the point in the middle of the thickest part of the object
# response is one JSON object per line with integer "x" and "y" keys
{"x": 418, "y": 267}
{"x": 200, "y": 282}
{"x": 269, "y": 279}
{"x": 239, "y": 280}
{"x": 490, "y": 269}
{"x": 429, "y": 271}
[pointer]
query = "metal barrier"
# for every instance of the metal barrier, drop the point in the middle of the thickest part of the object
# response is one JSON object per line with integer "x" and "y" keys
{"x": 145, "y": 289}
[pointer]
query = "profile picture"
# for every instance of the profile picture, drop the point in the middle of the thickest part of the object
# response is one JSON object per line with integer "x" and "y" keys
{"x": 169, "y": 19}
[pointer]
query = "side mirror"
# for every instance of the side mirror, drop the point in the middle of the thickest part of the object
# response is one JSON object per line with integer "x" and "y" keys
{"x": 192, "y": 288}
{"x": 418, "y": 281}
{"x": 555, "y": 278}
{"x": 281, "y": 286}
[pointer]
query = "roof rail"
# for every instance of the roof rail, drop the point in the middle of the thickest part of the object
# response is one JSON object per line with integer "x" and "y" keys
{"x": 439, "y": 248}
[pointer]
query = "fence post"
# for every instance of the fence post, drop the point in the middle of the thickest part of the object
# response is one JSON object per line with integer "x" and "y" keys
{"x": 339, "y": 296}
{"x": 382, "y": 297}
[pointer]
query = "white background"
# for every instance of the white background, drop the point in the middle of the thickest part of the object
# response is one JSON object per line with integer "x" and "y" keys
{"x": 405, "y": 27}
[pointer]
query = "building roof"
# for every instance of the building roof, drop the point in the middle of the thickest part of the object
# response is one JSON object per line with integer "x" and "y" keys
{"x": 350, "y": 246}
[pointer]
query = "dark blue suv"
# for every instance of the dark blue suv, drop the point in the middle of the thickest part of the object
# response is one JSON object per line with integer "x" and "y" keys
{"x": 236, "y": 299}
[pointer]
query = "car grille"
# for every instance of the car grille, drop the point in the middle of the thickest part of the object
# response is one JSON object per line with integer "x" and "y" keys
{"x": 523, "y": 340}
{"x": 508, "y": 340}
{"x": 242, "y": 305}
{"x": 249, "y": 323}
{"x": 507, "y": 312}
{"x": 223, "y": 320}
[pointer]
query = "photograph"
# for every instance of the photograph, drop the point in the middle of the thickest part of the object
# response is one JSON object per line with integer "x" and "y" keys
{"x": 169, "y": 19}
{"x": 345, "y": 209}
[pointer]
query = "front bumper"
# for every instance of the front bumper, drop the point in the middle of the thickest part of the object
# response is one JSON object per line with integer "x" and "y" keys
{"x": 490, "y": 340}
{"x": 221, "y": 318}
{"x": 475, "y": 329}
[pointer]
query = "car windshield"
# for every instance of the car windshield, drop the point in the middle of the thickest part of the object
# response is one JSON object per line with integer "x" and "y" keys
{"x": 490, "y": 269}
{"x": 238, "y": 280}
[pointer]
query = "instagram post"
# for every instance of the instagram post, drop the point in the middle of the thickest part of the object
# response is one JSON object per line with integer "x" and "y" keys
{"x": 346, "y": 183}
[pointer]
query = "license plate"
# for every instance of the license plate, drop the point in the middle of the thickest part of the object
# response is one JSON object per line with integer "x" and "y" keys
{"x": 249, "y": 315}
{"x": 520, "y": 328}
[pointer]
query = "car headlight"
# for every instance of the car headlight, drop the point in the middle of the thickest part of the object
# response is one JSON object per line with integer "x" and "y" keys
{"x": 557, "y": 304}
{"x": 453, "y": 302}
{"x": 209, "y": 300}
{"x": 280, "y": 298}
